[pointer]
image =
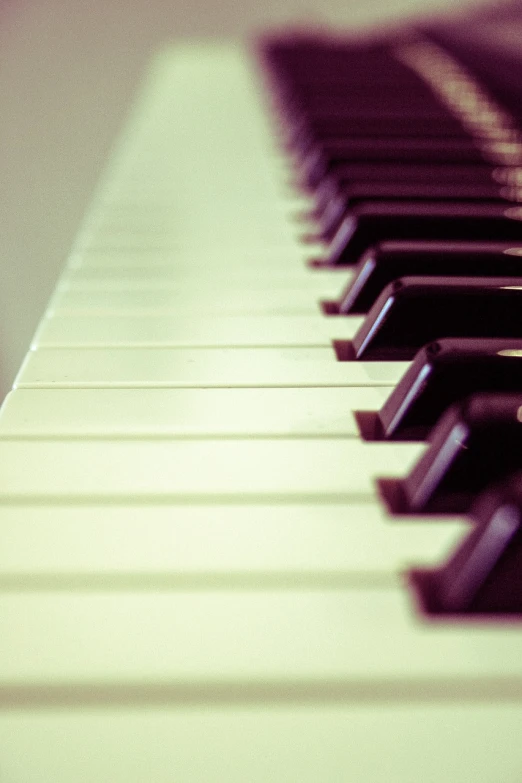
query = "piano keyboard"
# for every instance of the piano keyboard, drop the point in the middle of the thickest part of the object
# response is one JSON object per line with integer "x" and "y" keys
{"x": 198, "y": 578}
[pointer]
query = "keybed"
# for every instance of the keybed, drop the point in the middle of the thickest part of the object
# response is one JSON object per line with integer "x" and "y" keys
{"x": 198, "y": 578}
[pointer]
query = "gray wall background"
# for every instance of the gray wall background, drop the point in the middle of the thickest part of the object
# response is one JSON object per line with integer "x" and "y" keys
{"x": 68, "y": 70}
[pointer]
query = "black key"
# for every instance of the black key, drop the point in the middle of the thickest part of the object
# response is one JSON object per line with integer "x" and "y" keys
{"x": 443, "y": 373}
{"x": 476, "y": 442}
{"x": 353, "y": 90}
{"x": 388, "y": 261}
{"x": 311, "y": 130}
{"x": 484, "y": 575}
{"x": 304, "y": 136}
{"x": 327, "y": 62}
{"x": 328, "y": 157}
{"x": 372, "y": 222}
{"x": 350, "y": 76}
{"x": 364, "y": 100}
{"x": 352, "y": 195}
{"x": 306, "y": 58}
{"x": 413, "y": 311}
{"x": 355, "y": 174}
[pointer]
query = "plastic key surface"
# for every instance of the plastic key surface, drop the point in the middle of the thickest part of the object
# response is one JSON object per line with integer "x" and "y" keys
{"x": 351, "y": 195}
{"x": 390, "y": 260}
{"x": 335, "y": 153}
{"x": 444, "y": 372}
{"x": 413, "y": 311}
{"x": 377, "y": 221}
{"x": 484, "y": 575}
{"x": 476, "y": 442}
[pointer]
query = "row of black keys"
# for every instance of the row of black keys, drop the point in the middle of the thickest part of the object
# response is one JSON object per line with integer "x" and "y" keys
{"x": 401, "y": 184}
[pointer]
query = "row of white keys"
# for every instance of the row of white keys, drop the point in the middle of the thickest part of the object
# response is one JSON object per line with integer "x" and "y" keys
{"x": 191, "y": 598}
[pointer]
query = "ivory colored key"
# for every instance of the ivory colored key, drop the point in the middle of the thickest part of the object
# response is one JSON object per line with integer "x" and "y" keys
{"x": 166, "y": 413}
{"x": 221, "y": 639}
{"x": 154, "y": 470}
{"x": 212, "y": 367}
{"x": 298, "y": 734}
{"x": 110, "y": 331}
{"x": 185, "y": 277}
{"x": 251, "y": 218}
{"x": 215, "y": 545}
{"x": 134, "y": 297}
{"x": 256, "y": 269}
{"x": 123, "y": 239}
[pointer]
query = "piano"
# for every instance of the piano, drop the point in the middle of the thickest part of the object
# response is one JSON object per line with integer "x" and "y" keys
{"x": 200, "y": 576}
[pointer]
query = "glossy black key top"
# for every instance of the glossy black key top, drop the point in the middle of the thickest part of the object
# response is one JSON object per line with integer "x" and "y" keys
{"x": 443, "y": 373}
{"x": 476, "y": 442}
{"x": 325, "y": 158}
{"x": 355, "y": 174}
{"x": 484, "y": 575}
{"x": 413, "y": 311}
{"x": 351, "y": 195}
{"x": 372, "y": 222}
{"x": 388, "y": 261}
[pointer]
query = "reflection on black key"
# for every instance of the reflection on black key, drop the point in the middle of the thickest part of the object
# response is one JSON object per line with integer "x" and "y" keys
{"x": 484, "y": 575}
{"x": 390, "y": 260}
{"x": 414, "y": 311}
{"x": 373, "y": 222}
{"x": 443, "y": 373}
{"x": 475, "y": 442}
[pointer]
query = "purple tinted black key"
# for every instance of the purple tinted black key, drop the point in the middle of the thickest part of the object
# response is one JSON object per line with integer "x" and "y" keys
{"x": 484, "y": 575}
{"x": 413, "y": 311}
{"x": 373, "y": 222}
{"x": 444, "y": 372}
{"x": 388, "y": 261}
{"x": 476, "y": 442}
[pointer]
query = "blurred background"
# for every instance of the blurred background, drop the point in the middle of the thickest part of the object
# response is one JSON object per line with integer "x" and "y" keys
{"x": 68, "y": 71}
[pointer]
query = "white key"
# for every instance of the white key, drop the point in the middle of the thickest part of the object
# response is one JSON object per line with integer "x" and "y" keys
{"x": 187, "y": 412}
{"x": 213, "y": 367}
{"x": 157, "y": 469}
{"x": 215, "y": 545}
{"x": 185, "y": 224}
{"x": 346, "y": 638}
{"x": 205, "y": 242}
{"x": 112, "y": 331}
{"x": 126, "y": 735}
{"x": 201, "y": 277}
{"x": 262, "y": 265}
{"x": 133, "y": 297}
{"x": 255, "y": 269}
